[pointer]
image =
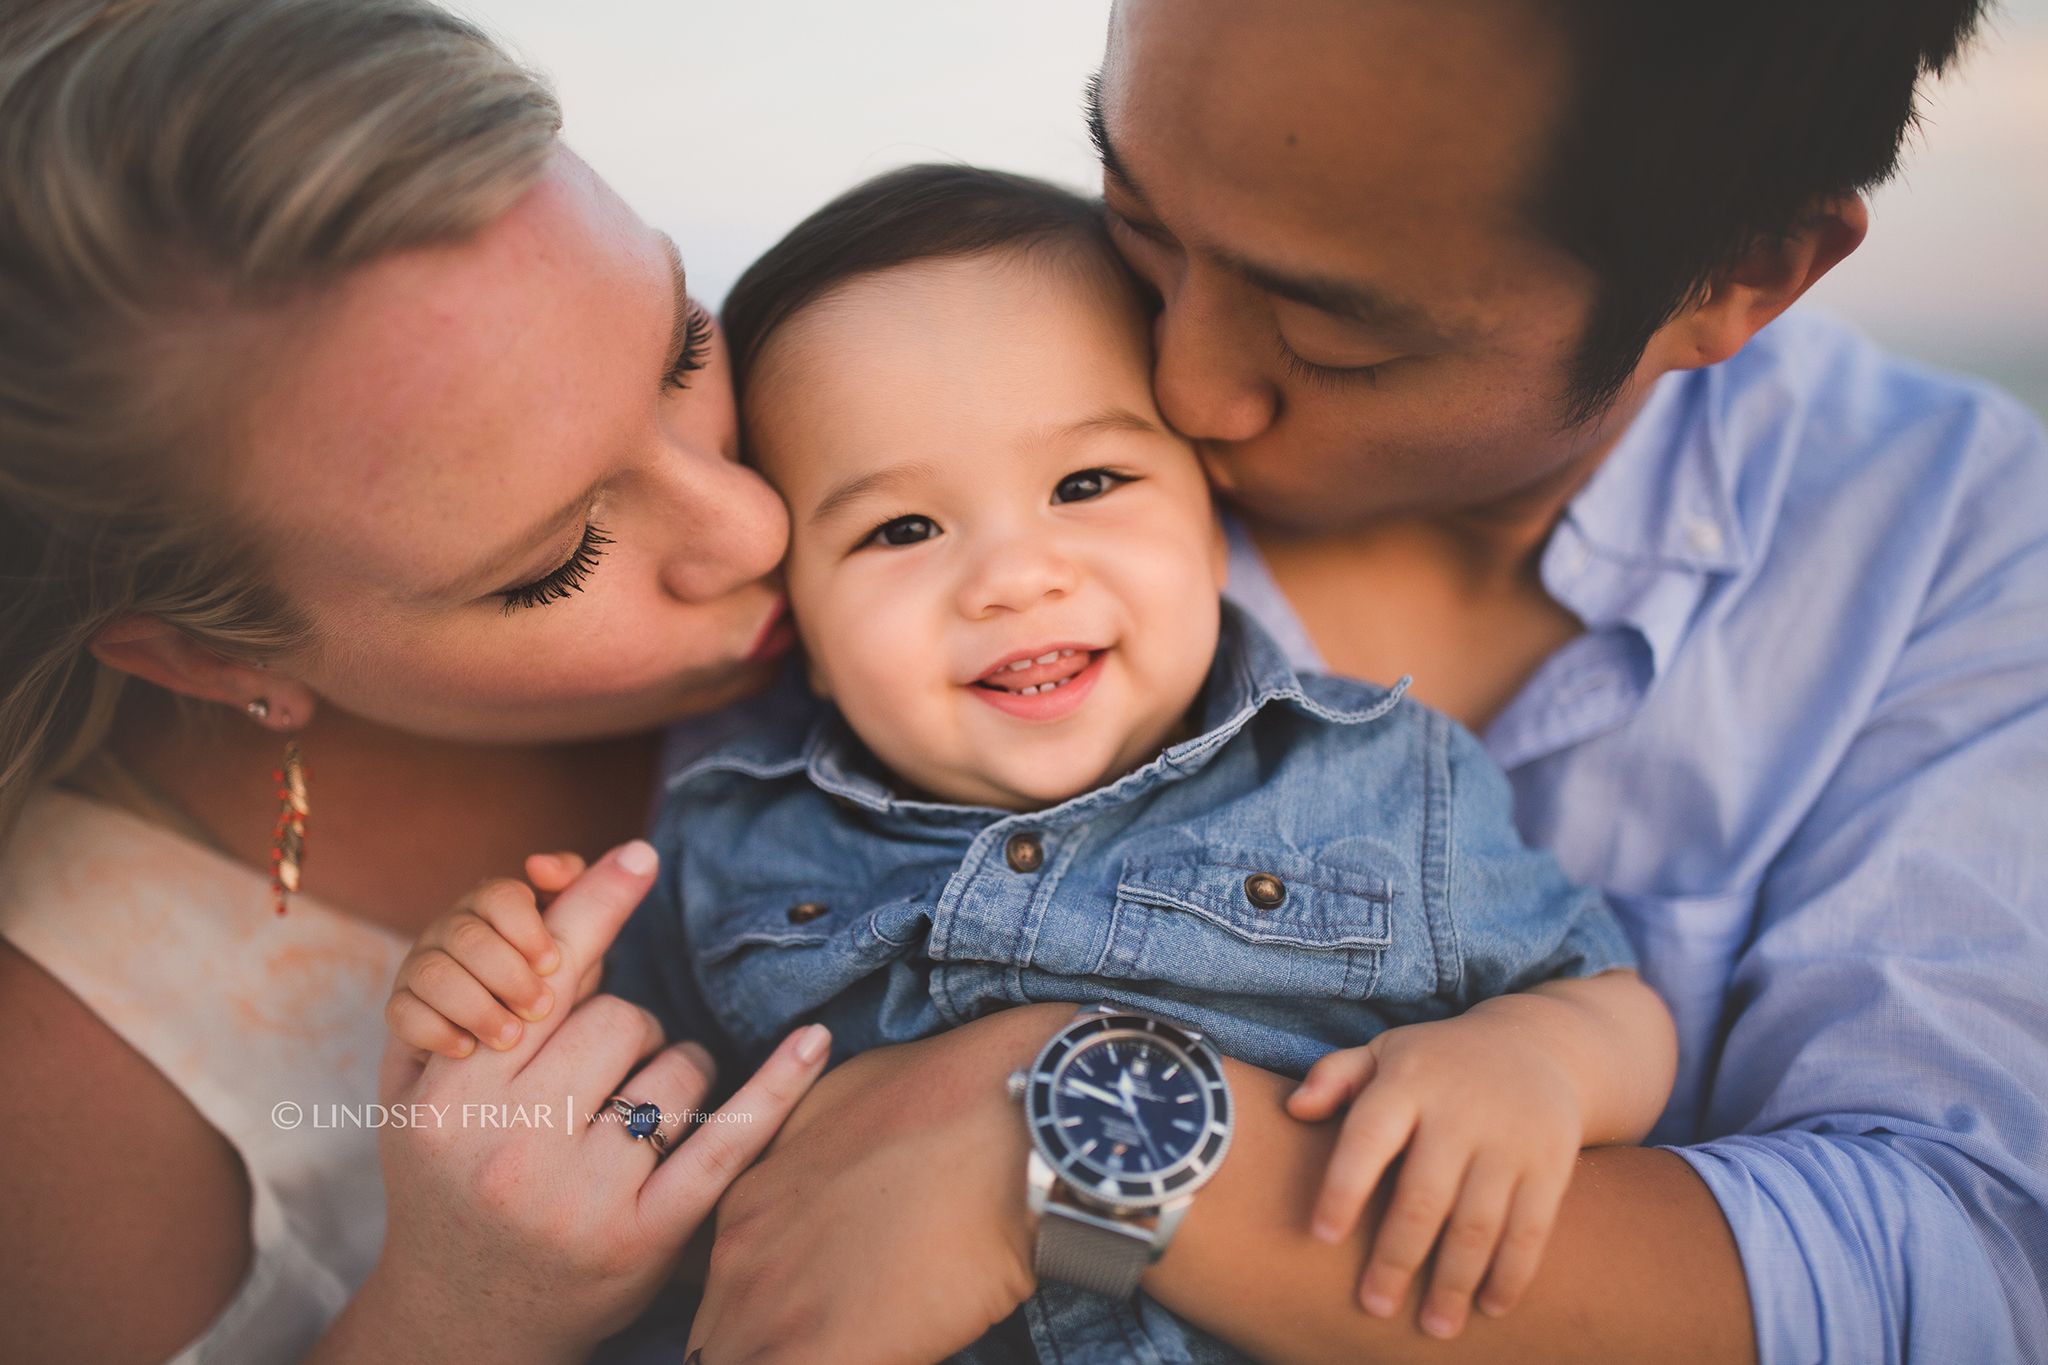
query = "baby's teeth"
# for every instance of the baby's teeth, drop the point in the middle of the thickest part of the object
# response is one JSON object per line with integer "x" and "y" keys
{"x": 1047, "y": 658}
{"x": 1066, "y": 654}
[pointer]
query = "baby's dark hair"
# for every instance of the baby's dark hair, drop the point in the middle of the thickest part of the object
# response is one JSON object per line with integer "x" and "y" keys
{"x": 918, "y": 213}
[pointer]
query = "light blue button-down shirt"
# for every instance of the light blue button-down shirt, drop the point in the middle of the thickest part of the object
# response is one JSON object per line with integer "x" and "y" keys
{"x": 1803, "y": 745}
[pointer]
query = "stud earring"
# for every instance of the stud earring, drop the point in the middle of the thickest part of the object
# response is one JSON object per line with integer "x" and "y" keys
{"x": 259, "y": 709}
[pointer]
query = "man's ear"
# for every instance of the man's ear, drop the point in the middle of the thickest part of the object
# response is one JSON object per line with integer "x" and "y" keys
{"x": 161, "y": 653}
{"x": 1748, "y": 294}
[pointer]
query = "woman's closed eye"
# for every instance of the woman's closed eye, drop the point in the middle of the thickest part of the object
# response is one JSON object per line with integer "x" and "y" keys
{"x": 556, "y": 584}
{"x": 898, "y": 531}
{"x": 1088, "y": 484}
{"x": 696, "y": 352}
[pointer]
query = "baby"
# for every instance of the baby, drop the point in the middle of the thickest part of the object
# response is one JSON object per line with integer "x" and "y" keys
{"x": 1039, "y": 759}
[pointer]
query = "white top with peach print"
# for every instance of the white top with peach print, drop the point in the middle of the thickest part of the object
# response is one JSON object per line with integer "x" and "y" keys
{"x": 271, "y": 1026}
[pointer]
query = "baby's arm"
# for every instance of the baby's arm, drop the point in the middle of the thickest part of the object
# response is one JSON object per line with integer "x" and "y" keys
{"x": 1491, "y": 1109}
{"x": 476, "y": 971}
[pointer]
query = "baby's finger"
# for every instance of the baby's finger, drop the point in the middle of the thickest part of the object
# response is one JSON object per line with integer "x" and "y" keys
{"x": 1333, "y": 1082}
{"x": 445, "y": 986}
{"x": 1375, "y": 1131}
{"x": 510, "y": 908}
{"x": 498, "y": 967}
{"x": 1430, "y": 1180}
{"x": 1530, "y": 1219}
{"x": 1466, "y": 1248}
{"x": 420, "y": 1027}
{"x": 551, "y": 873}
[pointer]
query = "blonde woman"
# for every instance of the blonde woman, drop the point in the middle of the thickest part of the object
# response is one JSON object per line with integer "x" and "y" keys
{"x": 338, "y": 403}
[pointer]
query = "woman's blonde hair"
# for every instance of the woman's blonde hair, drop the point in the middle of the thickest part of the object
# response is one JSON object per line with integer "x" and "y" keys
{"x": 164, "y": 165}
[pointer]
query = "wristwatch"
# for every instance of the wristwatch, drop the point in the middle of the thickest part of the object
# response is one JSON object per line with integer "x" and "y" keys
{"x": 1129, "y": 1115}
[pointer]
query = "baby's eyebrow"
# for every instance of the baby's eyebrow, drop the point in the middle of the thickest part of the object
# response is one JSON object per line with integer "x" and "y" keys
{"x": 1108, "y": 420}
{"x": 862, "y": 485}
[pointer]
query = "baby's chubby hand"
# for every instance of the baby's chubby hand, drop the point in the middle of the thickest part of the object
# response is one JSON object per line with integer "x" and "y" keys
{"x": 1491, "y": 1125}
{"x": 479, "y": 970}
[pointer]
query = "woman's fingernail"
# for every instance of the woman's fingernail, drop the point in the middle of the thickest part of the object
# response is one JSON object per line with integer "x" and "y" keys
{"x": 1325, "y": 1232}
{"x": 638, "y": 857}
{"x": 547, "y": 1002}
{"x": 508, "y": 1034}
{"x": 549, "y": 961}
{"x": 465, "y": 1047}
{"x": 814, "y": 1042}
{"x": 1439, "y": 1326}
{"x": 1379, "y": 1305}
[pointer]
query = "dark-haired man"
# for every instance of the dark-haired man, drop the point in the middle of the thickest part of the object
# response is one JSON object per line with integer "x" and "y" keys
{"x": 1476, "y": 308}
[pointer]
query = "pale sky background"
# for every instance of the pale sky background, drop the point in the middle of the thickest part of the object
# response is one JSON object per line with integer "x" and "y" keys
{"x": 725, "y": 122}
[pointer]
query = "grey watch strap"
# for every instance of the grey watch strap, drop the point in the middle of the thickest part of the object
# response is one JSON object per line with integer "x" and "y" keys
{"x": 1091, "y": 1252}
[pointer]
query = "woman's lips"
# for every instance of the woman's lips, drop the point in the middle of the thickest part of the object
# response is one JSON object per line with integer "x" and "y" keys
{"x": 1059, "y": 681}
{"x": 776, "y": 635}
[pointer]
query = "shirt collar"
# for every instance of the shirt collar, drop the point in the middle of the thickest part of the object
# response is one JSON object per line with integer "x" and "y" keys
{"x": 1249, "y": 673}
{"x": 1640, "y": 544}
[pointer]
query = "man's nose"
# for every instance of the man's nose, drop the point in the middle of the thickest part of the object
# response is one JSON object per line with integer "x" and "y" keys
{"x": 1211, "y": 372}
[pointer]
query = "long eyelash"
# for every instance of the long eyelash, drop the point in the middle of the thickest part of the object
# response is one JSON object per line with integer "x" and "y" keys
{"x": 696, "y": 347}
{"x": 1325, "y": 376}
{"x": 558, "y": 583}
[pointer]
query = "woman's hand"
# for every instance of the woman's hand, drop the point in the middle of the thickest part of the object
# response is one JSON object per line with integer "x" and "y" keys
{"x": 518, "y": 1230}
{"x": 887, "y": 1222}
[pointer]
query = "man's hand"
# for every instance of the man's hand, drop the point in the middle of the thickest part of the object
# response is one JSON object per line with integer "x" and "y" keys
{"x": 887, "y": 1221}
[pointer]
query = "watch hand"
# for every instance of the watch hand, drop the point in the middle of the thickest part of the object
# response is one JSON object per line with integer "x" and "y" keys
{"x": 1125, "y": 1087}
{"x": 1092, "y": 1092}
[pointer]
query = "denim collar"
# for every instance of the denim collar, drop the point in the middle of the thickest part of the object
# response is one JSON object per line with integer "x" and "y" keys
{"x": 1249, "y": 673}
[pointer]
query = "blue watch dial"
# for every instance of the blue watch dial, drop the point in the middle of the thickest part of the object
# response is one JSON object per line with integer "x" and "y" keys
{"x": 1129, "y": 1106}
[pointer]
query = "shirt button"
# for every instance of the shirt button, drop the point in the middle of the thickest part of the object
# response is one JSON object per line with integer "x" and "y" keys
{"x": 1264, "y": 890}
{"x": 806, "y": 911}
{"x": 1025, "y": 853}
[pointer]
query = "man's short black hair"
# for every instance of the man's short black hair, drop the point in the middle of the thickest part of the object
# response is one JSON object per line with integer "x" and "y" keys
{"x": 1698, "y": 131}
{"x": 917, "y": 213}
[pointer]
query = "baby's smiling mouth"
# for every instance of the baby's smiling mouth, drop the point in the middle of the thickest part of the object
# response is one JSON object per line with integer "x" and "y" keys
{"x": 1044, "y": 672}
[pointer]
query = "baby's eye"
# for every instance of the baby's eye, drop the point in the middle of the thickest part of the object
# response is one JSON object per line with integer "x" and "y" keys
{"x": 904, "y": 531}
{"x": 1089, "y": 483}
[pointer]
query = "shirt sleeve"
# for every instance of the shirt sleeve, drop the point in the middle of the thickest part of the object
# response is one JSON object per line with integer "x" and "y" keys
{"x": 1882, "y": 1086}
{"x": 1514, "y": 919}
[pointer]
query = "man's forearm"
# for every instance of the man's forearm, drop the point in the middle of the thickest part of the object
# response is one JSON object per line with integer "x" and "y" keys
{"x": 1640, "y": 1267}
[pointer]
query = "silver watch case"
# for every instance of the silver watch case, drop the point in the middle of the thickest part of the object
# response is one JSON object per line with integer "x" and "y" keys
{"x": 1054, "y": 1162}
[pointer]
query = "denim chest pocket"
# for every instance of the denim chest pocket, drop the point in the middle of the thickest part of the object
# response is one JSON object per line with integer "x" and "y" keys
{"x": 766, "y": 959}
{"x": 1252, "y": 922}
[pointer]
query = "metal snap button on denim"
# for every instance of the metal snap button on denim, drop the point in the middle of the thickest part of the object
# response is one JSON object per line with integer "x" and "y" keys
{"x": 806, "y": 911}
{"x": 1025, "y": 853}
{"x": 1265, "y": 890}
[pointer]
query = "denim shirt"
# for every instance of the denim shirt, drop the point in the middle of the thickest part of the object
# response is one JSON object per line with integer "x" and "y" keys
{"x": 796, "y": 886}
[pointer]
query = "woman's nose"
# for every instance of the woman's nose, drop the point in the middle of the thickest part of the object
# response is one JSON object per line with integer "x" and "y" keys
{"x": 1018, "y": 574}
{"x": 1210, "y": 371}
{"x": 729, "y": 529}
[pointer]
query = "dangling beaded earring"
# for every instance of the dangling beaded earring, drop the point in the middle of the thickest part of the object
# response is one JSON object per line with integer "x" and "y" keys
{"x": 288, "y": 840}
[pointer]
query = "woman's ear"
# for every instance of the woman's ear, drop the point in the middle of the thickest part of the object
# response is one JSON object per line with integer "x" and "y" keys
{"x": 1764, "y": 283}
{"x": 158, "y": 652}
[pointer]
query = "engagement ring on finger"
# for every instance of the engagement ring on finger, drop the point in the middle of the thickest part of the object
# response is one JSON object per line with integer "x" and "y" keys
{"x": 643, "y": 1121}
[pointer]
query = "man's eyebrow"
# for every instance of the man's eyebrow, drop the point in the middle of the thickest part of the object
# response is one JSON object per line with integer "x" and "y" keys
{"x": 1098, "y": 133}
{"x": 865, "y": 485}
{"x": 1344, "y": 298}
{"x": 679, "y": 330}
